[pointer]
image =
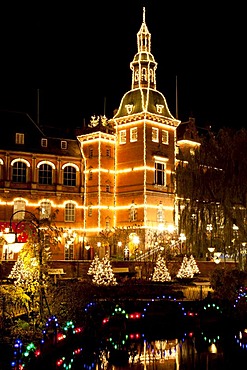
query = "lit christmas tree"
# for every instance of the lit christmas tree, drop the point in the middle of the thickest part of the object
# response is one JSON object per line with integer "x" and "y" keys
{"x": 94, "y": 265}
{"x": 185, "y": 271}
{"x": 25, "y": 273}
{"x": 193, "y": 264}
{"x": 104, "y": 274}
{"x": 161, "y": 272}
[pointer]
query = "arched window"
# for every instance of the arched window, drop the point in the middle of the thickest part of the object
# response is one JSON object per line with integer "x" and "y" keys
{"x": 45, "y": 209}
{"x": 69, "y": 176}
{"x": 19, "y": 172}
{"x": 45, "y": 174}
{"x": 19, "y": 205}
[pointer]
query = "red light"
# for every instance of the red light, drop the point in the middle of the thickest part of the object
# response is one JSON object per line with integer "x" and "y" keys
{"x": 59, "y": 362}
{"x": 105, "y": 321}
{"x": 37, "y": 352}
{"x": 135, "y": 315}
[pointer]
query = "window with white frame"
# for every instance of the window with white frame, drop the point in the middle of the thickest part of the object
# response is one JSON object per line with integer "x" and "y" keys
{"x": 69, "y": 212}
{"x": 159, "y": 108}
{"x": 155, "y": 134}
{"x": 19, "y": 205}
{"x": 129, "y": 108}
{"x": 122, "y": 137}
{"x": 64, "y": 144}
{"x": 160, "y": 173}
{"x": 133, "y": 134}
{"x": 45, "y": 209}
{"x": 44, "y": 143}
{"x": 19, "y": 138}
{"x": 165, "y": 137}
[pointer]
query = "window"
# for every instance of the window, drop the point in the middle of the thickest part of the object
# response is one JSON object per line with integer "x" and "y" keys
{"x": 160, "y": 213}
{"x": 144, "y": 74}
{"x": 133, "y": 134}
{"x": 45, "y": 209}
{"x": 69, "y": 176}
{"x": 90, "y": 211}
{"x": 122, "y": 135}
{"x": 19, "y": 138}
{"x": 69, "y": 213}
{"x": 44, "y": 143}
{"x": 90, "y": 152}
{"x": 129, "y": 108}
{"x": 90, "y": 175}
{"x": 155, "y": 134}
{"x": 108, "y": 152}
{"x": 159, "y": 108}
{"x": 133, "y": 212}
{"x": 165, "y": 137}
{"x": 107, "y": 223}
{"x": 192, "y": 152}
{"x": 107, "y": 188}
{"x": 160, "y": 178}
{"x": 64, "y": 144}
{"x": 19, "y": 172}
{"x": 19, "y": 205}
{"x": 69, "y": 248}
{"x": 45, "y": 174}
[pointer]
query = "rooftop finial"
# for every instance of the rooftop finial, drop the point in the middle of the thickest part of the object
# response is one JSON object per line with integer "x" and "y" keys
{"x": 144, "y": 14}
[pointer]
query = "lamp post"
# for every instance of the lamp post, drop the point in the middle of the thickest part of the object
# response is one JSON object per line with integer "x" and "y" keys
{"x": 88, "y": 247}
{"x": 182, "y": 239}
{"x": 41, "y": 234}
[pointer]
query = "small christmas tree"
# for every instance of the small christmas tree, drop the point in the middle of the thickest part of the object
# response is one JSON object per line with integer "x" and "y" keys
{"x": 185, "y": 271}
{"x": 161, "y": 272}
{"x": 104, "y": 275}
{"x": 94, "y": 265}
{"x": 193, "y": 264}
{"x": 26, "y": 274}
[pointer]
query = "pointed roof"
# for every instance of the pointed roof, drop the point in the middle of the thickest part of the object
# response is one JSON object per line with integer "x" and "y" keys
{"x": 143, "y": 96}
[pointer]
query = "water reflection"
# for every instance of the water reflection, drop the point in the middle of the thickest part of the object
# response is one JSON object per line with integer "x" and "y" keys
{"x": 156, "y": 335}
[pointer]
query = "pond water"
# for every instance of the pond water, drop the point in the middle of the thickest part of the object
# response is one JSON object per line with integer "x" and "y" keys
{"x": 157, "y": 336}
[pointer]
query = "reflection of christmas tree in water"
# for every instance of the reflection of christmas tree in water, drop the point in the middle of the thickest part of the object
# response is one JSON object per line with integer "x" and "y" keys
{"x": 185, "y": 271}
{"x": 161, "y": 272}
{"x": 193, "y": 264}
{"x": 102, "y": 271}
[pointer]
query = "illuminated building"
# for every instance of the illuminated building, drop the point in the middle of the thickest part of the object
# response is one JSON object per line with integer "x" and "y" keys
{"x": 115, "y": 173}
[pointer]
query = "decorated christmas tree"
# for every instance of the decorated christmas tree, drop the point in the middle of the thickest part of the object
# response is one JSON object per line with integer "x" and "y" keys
{"x": 25, "y": 273}
{"x": 193, "y": 264}
{"x": 104, "y": 275}
{"x": 185, "y": 271}
{"x": 161, "y": 272}
{"x": 94, "y": 265}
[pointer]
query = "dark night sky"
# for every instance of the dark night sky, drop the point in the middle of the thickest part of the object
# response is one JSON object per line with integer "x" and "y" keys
{"x": 78, "y": 56}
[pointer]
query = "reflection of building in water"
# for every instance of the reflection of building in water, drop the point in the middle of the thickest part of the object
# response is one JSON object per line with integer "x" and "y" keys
{"x": 158, "y": 351}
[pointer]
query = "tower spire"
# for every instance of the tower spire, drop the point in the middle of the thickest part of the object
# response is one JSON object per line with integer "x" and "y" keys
{"x": 143, "y": 15}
